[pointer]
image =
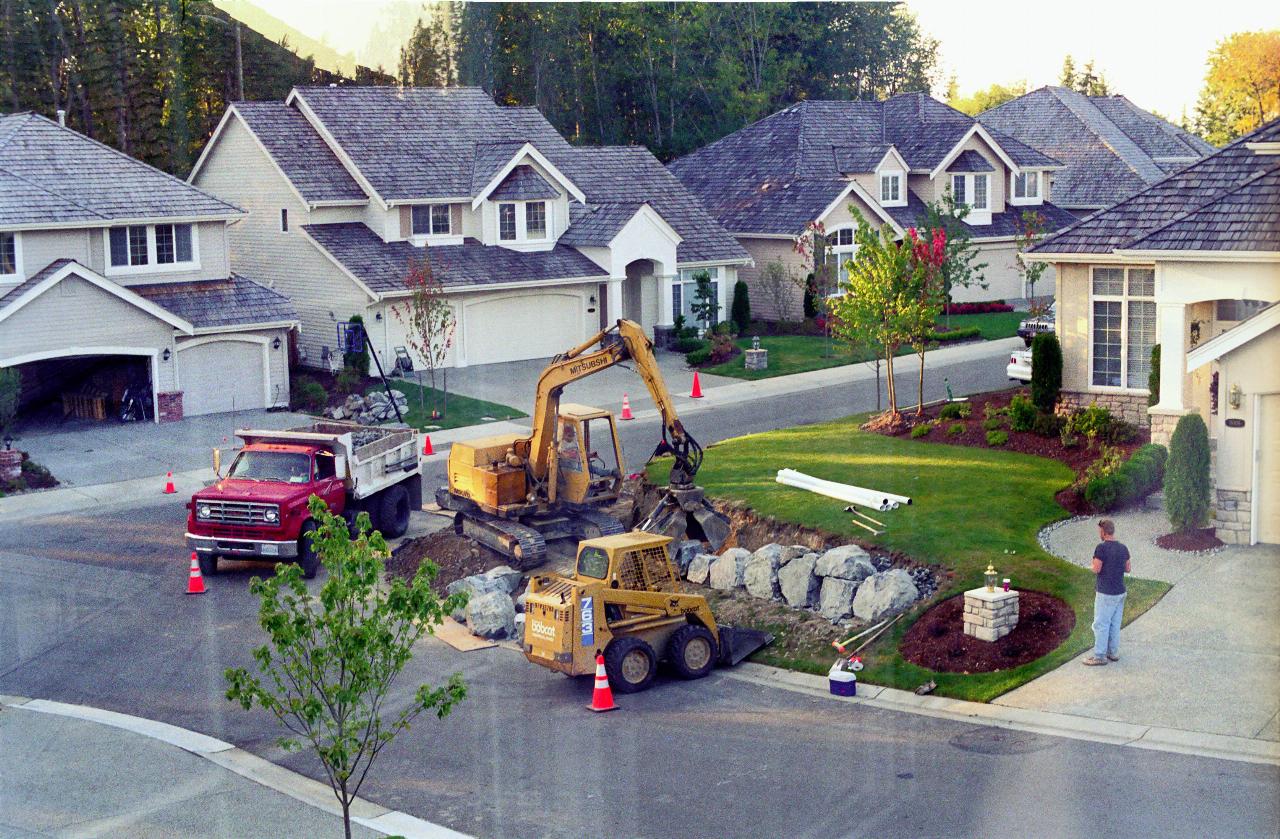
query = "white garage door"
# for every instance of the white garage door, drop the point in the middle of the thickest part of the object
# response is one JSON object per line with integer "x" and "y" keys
{"x": 1267, "y": 504}
{"x": 522, "y": 326}
{"x": 221, "y": 376}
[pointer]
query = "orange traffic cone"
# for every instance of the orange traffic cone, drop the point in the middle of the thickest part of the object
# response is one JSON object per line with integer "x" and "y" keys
{"x": 602, "y": 696}
{"x": 168, "y": 484}
{"x": 195, "y": 580}
{"x": 697, "y": 387}
{"x": 426, "y": 445}
{"x": 626, "y": 408}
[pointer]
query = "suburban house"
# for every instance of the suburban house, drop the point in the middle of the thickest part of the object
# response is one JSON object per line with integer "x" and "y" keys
{"x": 114, "y": 274}
{"x": 1109, "y": 147}
{"x": 537, "y": 243}
{"x": 1191, "y": 263}
{"x": 811, "y": 162}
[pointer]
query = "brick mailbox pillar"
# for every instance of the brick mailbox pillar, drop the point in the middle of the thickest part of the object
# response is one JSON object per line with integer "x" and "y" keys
{"x": 10, "y": 464}
{"x": 990, "y": 615}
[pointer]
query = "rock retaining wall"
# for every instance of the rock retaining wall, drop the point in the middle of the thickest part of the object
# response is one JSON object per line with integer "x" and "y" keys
{"x": 1129, "y": 407}
{"x": 1233, "y": 516}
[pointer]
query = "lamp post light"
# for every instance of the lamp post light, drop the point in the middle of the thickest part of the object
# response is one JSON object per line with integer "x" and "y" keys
{"x": 991, "y": 576}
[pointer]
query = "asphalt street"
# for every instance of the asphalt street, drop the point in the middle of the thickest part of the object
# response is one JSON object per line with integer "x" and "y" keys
{"x": 92, "y": 612}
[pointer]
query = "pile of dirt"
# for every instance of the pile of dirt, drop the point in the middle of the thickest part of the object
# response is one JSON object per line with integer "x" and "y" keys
{"x": 937, "y": 640}
{"x": 456, "y": 556}
{"x": 1192, "y": 541}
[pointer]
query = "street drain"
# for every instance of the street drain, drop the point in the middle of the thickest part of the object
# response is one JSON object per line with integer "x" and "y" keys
{"x": 1001, "y": 742}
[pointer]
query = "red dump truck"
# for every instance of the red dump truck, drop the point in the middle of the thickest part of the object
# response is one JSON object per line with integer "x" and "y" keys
{"x": 258, "y": 510}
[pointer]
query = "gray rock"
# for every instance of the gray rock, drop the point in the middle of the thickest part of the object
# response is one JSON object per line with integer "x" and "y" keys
{"x": 682, "y": 553}
{"x": 848, "y": 562}
{"x": 729, "y": 569}
{"x": 835, "y": 599}
{"x": 775, "y": 553}
{"x": 883, "y": 594}
{"x": 474, "y": 586}
{"x": 491, "y": 615}
{"x": 797, "y": 582}
{"x": 520, "y": 600}
{"x": 505, "y": 577}
{"x": 761, "y": 574}
{"x": 700, "y": 568}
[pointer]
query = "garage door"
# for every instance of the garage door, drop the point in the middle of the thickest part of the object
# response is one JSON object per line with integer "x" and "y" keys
{"x": 221, "y": 376}
{"x": 522, "y": 326}
{"x": 1267, "y": 504}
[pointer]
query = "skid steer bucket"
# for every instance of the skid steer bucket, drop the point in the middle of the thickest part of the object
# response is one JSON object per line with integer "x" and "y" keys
{"x": 737, "y": 644}
{"x": 684, "y": 512}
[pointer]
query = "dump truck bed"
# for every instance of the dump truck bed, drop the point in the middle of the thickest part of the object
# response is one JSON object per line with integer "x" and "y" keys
{"x": 375, "y": 457}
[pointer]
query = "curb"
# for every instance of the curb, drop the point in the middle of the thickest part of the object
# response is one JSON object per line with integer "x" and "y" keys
{"x": 1156, "y": 738}
{"x": 237, "y": 760}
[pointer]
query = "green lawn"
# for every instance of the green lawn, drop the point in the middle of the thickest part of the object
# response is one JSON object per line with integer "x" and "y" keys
{"x": 993, "y": 324}
{"x": 970, "y": 507}
{"x": 462, "y": 410}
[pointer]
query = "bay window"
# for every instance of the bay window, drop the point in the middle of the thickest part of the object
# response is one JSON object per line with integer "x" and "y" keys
{"x": 523, "y": 221}
{"x": 957, "y": 189}
{"x": 979, "y": 192}
{"x": 1122, "y": 327}
{"x": 143, "y": 247}
{"x": 684, "y": 292}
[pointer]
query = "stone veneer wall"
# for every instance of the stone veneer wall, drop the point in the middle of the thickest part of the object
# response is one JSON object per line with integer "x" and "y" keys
{"x": 170, "y": 406}
{"x": 1162, "y": 426}
{"x": 1130, "y": 407}
{"x": 1233, "y": 515}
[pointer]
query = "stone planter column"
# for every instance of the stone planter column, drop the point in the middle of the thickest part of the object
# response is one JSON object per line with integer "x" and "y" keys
{"x": 990, "y": 615}
{"x": 10, "y": 464}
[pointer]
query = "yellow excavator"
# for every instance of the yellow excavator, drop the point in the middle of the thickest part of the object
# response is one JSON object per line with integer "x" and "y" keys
{"x": 514, "y": 492}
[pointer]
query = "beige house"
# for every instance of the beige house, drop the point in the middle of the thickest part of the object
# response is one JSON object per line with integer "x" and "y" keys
{"x": 813, "y": 162}
{"x": 1191, "y": 263}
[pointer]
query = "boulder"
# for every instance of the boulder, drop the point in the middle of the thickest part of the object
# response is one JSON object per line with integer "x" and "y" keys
{"x": 682, "y": 553}
{"x": 506, "y": 577}
{"x": 797, "y": 582}
{"x": 491, "y": 615}
{"x": 835, "y": 599}
{"x": 700, "y": 568}
{"x": 354, "y": 404}
{"x": 474, "y": 586}
{"x": 883, "y": 594}
{"x": 520, "y": 600}
{"x": 729, "y": 569}
{"x": 848, "y": 562}
{"x": 761, "y": 574}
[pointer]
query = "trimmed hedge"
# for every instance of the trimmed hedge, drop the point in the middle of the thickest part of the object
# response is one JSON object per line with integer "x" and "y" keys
{"x": 740, "y": 311}
{"x": 1153, "y": 378}
{"x": 955, "y": 410}
{"x": 1046, "y": 371}
{"x": 1022, "y": 413}
{"x": 688, "y": 345}
{"x": 1187, "y": 486}
{"x": 965, "y": 334}
{"x": 699, "y": 356}
{"x": 1137, "y": 477}
{"x": 920, "y": 431}
{"x": 976, "y": 308}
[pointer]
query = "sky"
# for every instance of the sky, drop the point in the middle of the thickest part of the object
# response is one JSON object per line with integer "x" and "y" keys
{"x": 1152, "y": 52}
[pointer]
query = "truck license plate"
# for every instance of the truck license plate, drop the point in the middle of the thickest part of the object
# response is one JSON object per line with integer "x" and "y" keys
{"x": 270, "y": 550}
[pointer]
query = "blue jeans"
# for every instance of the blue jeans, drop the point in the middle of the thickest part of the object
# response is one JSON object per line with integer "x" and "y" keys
{"x": 1108, "y": 611}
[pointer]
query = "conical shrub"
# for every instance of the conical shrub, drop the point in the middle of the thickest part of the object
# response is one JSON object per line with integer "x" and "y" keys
{"x": 1186, "y": 477}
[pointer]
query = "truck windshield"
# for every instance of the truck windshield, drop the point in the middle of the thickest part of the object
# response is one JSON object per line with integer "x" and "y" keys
{"x": 289, "y": 467}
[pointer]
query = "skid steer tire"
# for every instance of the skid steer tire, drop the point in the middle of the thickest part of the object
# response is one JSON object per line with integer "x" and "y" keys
{"x": 692, "y": 651}
{"x": 630, "y": 663}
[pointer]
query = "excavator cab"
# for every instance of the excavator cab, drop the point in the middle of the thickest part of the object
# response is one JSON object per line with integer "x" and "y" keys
{"x": 589, "y": 464}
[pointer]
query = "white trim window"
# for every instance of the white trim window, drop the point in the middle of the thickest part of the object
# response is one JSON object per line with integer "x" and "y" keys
{"x": 971, "y": 191}
{"x": 524, "y": 221}
{"x": 507, "y": 222}
{"x": 841, "y": 248}
{"x": 1026, "y": 187}
{"x": 958, "y": 189}
{"x": 431, "y": 220}
{"x": 980, "y": 193}
{"x": 151, "y": 247}
{"x": 684, "y": 289}
{"x": 535, "y": 220}
{"x": 891, "y": 188}
{"x": 10, "y": 257}
{"x": 1122, "y": 327}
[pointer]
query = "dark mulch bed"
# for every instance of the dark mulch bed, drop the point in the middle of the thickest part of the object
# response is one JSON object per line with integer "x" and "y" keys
{"x": 33, "y": 477}
{"x": 1192, "y": 541}
{"x": 937, "y": 640}
{"x": 456, "y": 556}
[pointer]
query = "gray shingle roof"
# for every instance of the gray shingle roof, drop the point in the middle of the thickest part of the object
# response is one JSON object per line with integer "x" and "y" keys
{"x": 235, "y": 301}
{"x": 970, "y": 161}
{"x": 1227, "y": 201}
{"x": 51, "y": 174}
{"x": 382, "y": 266}
{"x": 300, "y": 152}
{"x": 32, "y": 281}
{"x": 596, "y": 225}
{"x": 1111, "y": 147}
{"x": 488, "y": 159}
{"x": 1008, "y": 223}
{"x": 523, "y": 183}
{"x": 778, "y": 174}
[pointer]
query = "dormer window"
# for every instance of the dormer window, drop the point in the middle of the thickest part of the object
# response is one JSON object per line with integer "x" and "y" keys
{"x": 1026, "y": 188}
{"x": 523, "y": 221}
{"x": 535, "y": 220}
{"x": 432, "y": 220}
{"x": 979, "y": 192}
{"x": 957, "y": 189}
{"x": 890, "y": 187}
{"x": 507, "y": 222}
{"x": 970, "y": 190}
{"x": 8, "y": 256}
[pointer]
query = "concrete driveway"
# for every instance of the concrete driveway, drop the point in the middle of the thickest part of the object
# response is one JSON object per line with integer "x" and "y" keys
{"x": 1209, "y": 650}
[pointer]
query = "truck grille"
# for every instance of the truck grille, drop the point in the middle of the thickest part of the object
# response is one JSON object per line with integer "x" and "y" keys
{"x": 238, "y": 512}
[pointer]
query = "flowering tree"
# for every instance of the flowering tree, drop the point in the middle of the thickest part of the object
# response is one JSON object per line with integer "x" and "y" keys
{"x": 1030, "y": 229}
{"x": 928, "y": 292}
{"x": 429, "y": 326}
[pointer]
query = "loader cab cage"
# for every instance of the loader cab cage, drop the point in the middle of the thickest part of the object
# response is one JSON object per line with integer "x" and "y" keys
{"x": 594, "y": 563}
{"x": 645, "y": 569}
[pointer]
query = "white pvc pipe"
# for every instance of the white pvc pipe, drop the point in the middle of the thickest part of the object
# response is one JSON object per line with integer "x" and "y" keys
{"x": 831, "y": 489}
{"x": 900, "y": 499}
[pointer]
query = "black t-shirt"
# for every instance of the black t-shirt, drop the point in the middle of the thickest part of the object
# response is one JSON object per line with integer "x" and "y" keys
{"x": 1114, "y": 556}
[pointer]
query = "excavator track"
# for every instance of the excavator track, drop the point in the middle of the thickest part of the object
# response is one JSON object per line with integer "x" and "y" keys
{"x": 589, "y": 524}
{"x": 524, "y": 546}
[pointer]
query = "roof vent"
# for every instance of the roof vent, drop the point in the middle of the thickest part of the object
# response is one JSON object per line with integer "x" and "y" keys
{"x": 333, "y": 84}
{"x": 62, "y": 117}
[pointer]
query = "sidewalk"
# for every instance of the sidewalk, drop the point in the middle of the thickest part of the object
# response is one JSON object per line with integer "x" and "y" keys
{"x": 148, "y": 779}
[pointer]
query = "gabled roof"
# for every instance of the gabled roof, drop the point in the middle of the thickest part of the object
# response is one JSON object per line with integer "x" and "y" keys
{"x": 970, "y": 161}
{"x": 302, "y": 155}
{"x": 776, "y": 175}
{"x": 1008, "y": 223}
{"x": 382, "y": 266}
{"x": 1225, "y": 202}
{"x": 523, "y": 183}
{"x": 597, "y": 224}
{"x": 1111, "y": 147}
{"x": 209, "y": 304}
{"x": 53, "y": 176}
{"x": 1234, "y": 338}
{"x": 61, "y": 269}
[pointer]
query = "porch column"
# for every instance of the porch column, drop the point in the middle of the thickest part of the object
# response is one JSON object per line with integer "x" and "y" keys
{"x": 1171, "y": 328}
{"x": 614, "y": 309}
{"x": 666, "y": 317}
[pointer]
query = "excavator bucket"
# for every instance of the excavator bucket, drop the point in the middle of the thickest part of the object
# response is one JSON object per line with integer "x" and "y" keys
{"x": 736, "y": 644}
{"x": 684, "y": 512}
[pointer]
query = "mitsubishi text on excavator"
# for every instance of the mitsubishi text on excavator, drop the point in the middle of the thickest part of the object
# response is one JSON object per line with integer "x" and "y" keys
{"x": 513, "y": 492}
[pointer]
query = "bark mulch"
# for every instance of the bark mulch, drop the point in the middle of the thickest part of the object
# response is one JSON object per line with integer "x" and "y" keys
{"x": 937, "y": 640}
{"x": 1193, "y": 541}
{"x": 456, "y": 556}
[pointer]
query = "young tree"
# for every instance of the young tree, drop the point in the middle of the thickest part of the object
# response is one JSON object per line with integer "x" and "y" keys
{"x": 960, "y": 266}
{"x": 778, "y": 282}
{"x": 705, "y": 306}
{"x": 1030, "y": 229}
{"x": 1242, "y": 87}
{"x": 1088, "y": 80}
{"x": 358, "y": 361}
{"x": 926, "y": 294}
{"x": 1186, "y": 478}
{"x": 329, "y": 662}
{"x": 429, "y": 325}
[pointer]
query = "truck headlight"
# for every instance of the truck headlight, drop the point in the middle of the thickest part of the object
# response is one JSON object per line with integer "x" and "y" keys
{"x": 203, "y": 511}
{"x": 271, "y": 515}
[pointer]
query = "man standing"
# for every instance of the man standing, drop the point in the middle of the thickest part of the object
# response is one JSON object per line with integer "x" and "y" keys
{"x": 1110, "y": 564}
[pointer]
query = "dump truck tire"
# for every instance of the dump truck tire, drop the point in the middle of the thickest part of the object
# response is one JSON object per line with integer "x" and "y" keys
{"x": 308, "y": 559}
{"x": 692, "y": 651}
{"x": 208, "y": 564}
{"x": 630, "y": 663}
{"x": 393, "y": 511}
